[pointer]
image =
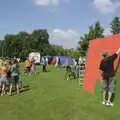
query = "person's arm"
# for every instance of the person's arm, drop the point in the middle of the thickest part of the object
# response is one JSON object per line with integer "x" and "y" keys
{"x": 115, "y": 55}
{"x": 118, "y": 52}
{"x": 11, "y": 69}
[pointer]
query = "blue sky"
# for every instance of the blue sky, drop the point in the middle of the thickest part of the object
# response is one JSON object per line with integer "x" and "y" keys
{"x": 66, "y": 20}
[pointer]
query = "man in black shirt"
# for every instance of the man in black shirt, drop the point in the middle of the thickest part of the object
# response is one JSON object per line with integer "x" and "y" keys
{"x": 108, "y": 73}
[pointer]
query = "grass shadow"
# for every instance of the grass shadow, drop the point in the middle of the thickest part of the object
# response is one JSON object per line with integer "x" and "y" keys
{"x": 25, "y": 89}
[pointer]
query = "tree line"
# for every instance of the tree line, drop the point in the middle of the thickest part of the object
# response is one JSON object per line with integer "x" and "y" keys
{"x": 22, "y": 43}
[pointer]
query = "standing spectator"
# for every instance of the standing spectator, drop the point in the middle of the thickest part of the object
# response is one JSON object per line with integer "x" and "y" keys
{"x": 108, "y": 73}
{"x": 44, "y": 64}
{"x": 27, "y": 65}
{"x": 33, "y": 66}
{"x": 9, "y": 71}
{"x": 46, "y": 59}
{"x": 3, "y": 79}
{"x": 14, "y": 76}
{"x": 59, "y": 62}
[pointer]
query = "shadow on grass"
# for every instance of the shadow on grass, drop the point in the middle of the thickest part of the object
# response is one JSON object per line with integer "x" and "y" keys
{"x": 22, "y": 90}
{"x": 25, "y": 89}
{"x": 43, "y": 72}
{"x": 46, "y": 71}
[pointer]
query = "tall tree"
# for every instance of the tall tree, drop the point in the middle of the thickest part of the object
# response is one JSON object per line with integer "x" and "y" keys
{"x": 0, "y": 47}
{"x": 115, "y": 25}
{"x": 95, "y": 31}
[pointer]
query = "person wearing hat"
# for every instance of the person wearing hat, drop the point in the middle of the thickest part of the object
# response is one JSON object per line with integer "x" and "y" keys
{"x": 107, "y": 76}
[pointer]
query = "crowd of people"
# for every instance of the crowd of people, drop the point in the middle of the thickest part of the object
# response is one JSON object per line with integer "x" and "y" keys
{"x": 10, "y": 73}
{"x": 10, "y": 77}
{"x": 30, "y": 65}
{"x": 75, "y": 71}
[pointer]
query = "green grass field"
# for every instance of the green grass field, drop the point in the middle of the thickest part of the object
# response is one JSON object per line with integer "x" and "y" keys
{"x": 50, "y": 97}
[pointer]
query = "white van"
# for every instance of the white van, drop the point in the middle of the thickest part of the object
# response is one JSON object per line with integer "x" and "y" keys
{"x": 36, "y": 56}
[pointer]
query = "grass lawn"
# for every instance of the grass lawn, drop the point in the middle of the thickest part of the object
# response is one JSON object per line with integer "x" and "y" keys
{"x": 50, "y": 97}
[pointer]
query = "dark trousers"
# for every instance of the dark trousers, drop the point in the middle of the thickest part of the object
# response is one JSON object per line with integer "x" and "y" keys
{"x": 44, "y": 68}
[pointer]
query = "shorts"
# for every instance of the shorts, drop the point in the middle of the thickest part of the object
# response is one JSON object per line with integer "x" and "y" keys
{"x": 14, "y": 79}
{"x": 108, "y": 84}
{"x": 3, "y": 79}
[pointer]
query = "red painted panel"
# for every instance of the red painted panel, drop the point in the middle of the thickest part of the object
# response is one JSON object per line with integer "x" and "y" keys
{"x": 96, "y": 47}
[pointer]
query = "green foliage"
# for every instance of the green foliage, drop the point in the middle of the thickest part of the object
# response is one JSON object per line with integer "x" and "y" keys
{"x": 115, "y": 25}
{"x": 75, "y": 54}
{"x": 95, "y": 31}
{"x": 58, "y": 50}
{"x": 21, "y": 44}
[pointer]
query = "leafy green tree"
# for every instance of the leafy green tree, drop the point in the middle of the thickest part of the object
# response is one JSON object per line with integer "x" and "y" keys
{"x": 75, "y": 54}
{"x": 115, "y": 25}
{"x": 58, "y": 50}
{"x": 21, "y": 44}
{"x": 95, "y": 31}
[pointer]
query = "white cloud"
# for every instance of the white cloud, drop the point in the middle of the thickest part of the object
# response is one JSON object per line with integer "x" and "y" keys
{"x": 68, "y": 38}
{"x": 107, "y": 6}
{"x": 49, "y": 2}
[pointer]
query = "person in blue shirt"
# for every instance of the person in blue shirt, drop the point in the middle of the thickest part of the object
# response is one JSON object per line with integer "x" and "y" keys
{"x": 14, "y": 76}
